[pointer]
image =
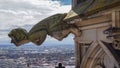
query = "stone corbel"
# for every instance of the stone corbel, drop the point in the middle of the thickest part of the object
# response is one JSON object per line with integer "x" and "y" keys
{"x": 116, "y": 32}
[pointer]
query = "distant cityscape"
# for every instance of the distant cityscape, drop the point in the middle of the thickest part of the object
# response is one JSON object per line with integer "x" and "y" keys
{"x": 36, "y": 56}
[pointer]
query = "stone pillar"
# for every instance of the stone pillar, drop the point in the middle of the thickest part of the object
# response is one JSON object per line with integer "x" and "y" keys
{"x": 76, "y": 2}
{"x": 116, "y": 25}
{"x": 81, "y": 47}
{"x": 116, "y": 19}
{"x": 78, "y": 54}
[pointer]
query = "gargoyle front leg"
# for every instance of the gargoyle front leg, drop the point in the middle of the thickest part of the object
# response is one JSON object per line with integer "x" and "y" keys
{"x": 60, "y": 35}
{"x": 75, "y": 31}
{"x": 64, "y": 33}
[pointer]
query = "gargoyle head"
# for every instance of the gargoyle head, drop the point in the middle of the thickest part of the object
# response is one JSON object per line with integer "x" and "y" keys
{"x": 18, "y": 36}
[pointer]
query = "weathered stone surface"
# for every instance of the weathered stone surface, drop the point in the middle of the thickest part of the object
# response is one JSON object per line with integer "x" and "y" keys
{"x": 90, "y": 7}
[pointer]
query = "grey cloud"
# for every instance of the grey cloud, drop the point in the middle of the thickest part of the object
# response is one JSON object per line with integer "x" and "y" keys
{"x": 23, "y": 6}
{"x": 6, "y": 30}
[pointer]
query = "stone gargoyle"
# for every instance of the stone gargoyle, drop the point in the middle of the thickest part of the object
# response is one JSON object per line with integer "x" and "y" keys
{"x": 54, "y": 26}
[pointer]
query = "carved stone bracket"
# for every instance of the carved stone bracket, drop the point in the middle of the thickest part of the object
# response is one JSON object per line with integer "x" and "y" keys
{"x": 116, "y": 33}
{"x": 113, "y": 32}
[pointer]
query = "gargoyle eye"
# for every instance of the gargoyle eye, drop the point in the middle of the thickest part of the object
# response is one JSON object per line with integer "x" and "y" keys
{"x": 10, "y": 35}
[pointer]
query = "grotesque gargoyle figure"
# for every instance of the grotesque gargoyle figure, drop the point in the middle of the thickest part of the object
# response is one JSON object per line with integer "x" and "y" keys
{"x": 53, "y": 26}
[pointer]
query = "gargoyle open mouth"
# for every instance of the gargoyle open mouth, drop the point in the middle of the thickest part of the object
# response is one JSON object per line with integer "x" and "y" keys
{"x": 13, "y": 40}
{"x": 17, "y": 42}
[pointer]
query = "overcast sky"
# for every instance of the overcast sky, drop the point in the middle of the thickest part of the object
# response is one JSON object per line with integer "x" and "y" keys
{"x": 26, "y": 13}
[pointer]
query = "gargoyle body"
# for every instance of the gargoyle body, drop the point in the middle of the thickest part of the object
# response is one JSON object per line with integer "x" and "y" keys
{"x": 53, "y": 26}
